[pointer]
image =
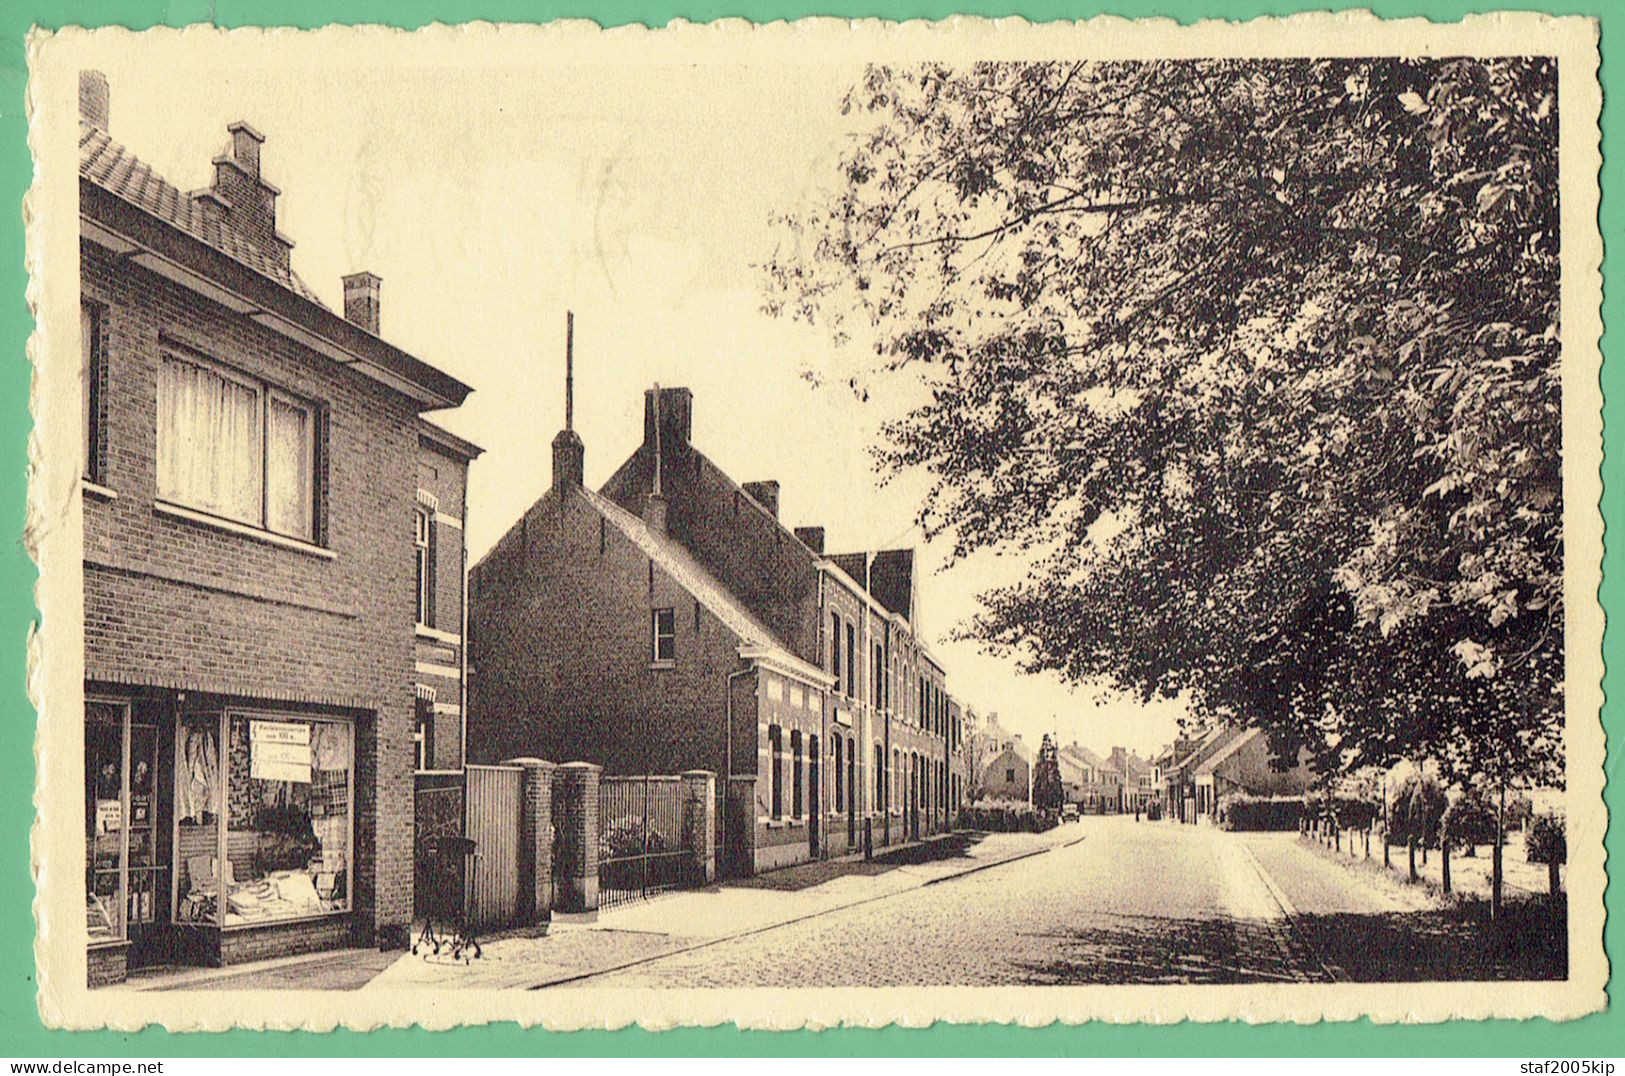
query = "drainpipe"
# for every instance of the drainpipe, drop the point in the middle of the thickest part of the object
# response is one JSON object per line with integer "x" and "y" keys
{"x": 728, "y": 756}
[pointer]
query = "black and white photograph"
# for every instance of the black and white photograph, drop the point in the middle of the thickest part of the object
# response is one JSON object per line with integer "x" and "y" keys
{"x": 818, "y": 524}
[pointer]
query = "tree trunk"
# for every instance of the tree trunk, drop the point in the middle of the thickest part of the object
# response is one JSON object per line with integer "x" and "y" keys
{"x": 1410, "y": 848}
{"x": 1424, "y": 855}
{"x": 1495, "y": 861}
{"x": 1387, "y": 861}
{"x": 1444, "y": 865}
{"x": 1368, "y": 842}
{"x": 1554, "y": 883}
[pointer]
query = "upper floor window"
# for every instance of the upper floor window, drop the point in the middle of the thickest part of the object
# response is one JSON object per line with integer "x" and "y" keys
{"x": 236, "y": 447}
{"x": 423, "y": 538}
{"x": 851, "y": 660}
{"x": 663, "y": 636}
{"x": 835, "y": 648}
{"x": 90, "y": 355}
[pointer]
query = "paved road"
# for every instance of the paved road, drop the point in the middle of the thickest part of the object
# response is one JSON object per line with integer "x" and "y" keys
{"x": 1132, "y": 903}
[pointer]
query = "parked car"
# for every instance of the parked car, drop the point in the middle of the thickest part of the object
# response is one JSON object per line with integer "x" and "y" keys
{"x": 1069, "y": 812}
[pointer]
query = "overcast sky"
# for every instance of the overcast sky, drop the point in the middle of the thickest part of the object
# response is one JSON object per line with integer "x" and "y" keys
{"x": 492, "y": 201}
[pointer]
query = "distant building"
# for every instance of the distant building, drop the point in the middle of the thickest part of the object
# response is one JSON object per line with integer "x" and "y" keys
{"x": 1244, "y": 765}
{"x": 1007, "y": 775}
{"x": 1089, "y": 781}
{"x": 670, "y": 622}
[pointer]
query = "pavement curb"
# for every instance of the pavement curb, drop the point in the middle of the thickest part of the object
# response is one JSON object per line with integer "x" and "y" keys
{"x": 564, "y": 980}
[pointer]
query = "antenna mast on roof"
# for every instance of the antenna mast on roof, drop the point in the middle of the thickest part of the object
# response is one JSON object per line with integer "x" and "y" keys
{"x": 569, "y": 369}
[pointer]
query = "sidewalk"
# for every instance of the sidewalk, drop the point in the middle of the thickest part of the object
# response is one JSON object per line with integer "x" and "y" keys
{"x": 689, "y": 919}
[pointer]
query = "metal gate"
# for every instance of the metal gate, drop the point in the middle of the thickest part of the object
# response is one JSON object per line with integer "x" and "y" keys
{"x": 495, "y": 796}
{"x": 437, "y": 811}
{"x": 640, "y": 839}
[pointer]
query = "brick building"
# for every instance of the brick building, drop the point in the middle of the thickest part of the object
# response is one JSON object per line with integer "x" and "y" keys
{"x": 250, "y": 465}
{"x": 670, "y": 621}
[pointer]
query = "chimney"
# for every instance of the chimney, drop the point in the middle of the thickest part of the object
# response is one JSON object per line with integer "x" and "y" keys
{"x": 676, "y": 413}
{"x": 569, "y": 454}
{"x": 95, "y": 99}
{"x": 240, "y": 199}
{"x": 765, "y": 494}
{"x": 361, "y": 300}
{"x": 812, "y": 538}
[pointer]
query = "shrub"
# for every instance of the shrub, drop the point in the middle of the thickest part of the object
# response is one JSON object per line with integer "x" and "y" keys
{"x": 1008, "y": 818}
{"x": 1416, "y": 811}
{"x": 1240, "y": 811}
{"x": 1547, "y": 842}
{"x": 1469, "y": 821}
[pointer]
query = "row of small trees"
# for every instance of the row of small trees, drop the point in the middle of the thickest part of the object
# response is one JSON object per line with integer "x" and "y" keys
{"x": 1420, "y": 813}
{"x": 1254, "y": 362}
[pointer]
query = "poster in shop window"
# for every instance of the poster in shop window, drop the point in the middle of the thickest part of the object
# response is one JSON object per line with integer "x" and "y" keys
{"x": 279, "y": 751}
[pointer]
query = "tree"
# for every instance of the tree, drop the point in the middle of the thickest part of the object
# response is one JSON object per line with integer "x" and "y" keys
{"x": 974, "y": 750}
{"x": 1548, "y": 844}
{"x": 1415, "y": 812}
{"x": 1256, "y": 360}
{"x": 1048, "y": 793}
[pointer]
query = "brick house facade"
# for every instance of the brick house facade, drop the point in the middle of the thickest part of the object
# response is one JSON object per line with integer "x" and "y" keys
{"x": 838, "y": 715}
{"x": 248, "y": 486}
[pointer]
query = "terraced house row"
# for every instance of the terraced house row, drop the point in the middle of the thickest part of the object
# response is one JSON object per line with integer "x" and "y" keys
{"x": 671, "y": 622}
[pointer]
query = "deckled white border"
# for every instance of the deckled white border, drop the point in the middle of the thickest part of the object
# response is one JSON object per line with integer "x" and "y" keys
{"x": 56, "y": 665}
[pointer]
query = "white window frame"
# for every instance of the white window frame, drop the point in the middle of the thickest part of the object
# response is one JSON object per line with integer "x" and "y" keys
{"x": 656, "y": 636}
{"x": 264, "y": 393}
{"x": 423, "y": 539}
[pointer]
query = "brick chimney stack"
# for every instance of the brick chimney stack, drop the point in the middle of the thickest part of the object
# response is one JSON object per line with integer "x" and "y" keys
{"x": 95, "y": 99}
{"x": 361, "y": 301}
{"x": 239, "y": 198}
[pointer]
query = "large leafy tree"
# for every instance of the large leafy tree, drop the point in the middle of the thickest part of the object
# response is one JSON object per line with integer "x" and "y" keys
{"x": 1257, "y": 360}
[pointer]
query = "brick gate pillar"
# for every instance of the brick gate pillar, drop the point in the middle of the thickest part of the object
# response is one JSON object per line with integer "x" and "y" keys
{"x": 535, "y": 839}
{"x": 575, "y": 786}
{"x": 700, "y": 820}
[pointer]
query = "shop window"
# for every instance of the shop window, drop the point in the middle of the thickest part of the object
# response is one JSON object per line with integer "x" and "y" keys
{"x": 663, "y": 640}
{"x": 283, "y": 787}
{"x": 235, "y": 447}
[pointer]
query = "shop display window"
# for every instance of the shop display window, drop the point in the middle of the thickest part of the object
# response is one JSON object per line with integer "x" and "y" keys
{"x": 104, "y": 821}
{"x": 121, "y": 865}
{"x": 283, "y": 786}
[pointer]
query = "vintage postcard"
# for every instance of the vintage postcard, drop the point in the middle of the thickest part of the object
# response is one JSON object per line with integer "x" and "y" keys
{"x": 815, "y": 524}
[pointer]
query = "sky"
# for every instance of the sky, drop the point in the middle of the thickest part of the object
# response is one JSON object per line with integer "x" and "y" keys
{"x": 639, "y": 196}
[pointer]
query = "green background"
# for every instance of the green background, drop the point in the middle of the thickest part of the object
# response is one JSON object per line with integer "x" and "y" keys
{"x": 20, "y": 1031}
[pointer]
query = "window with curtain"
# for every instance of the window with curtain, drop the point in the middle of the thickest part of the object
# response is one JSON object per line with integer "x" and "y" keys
{"x": 235, "y": 447}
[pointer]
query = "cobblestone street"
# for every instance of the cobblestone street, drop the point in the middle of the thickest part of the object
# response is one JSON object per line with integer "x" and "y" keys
{"x": 1131, "y": 903}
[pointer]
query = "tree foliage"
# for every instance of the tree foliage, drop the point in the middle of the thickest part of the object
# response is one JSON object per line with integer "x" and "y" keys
{"x": 1048, "y": 792}
{"x": 1258, "y": 360}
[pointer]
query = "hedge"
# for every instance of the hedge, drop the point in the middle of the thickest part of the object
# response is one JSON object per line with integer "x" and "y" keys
{"x": 1008, "y": 818}
{"x": 1240, "y": 811}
